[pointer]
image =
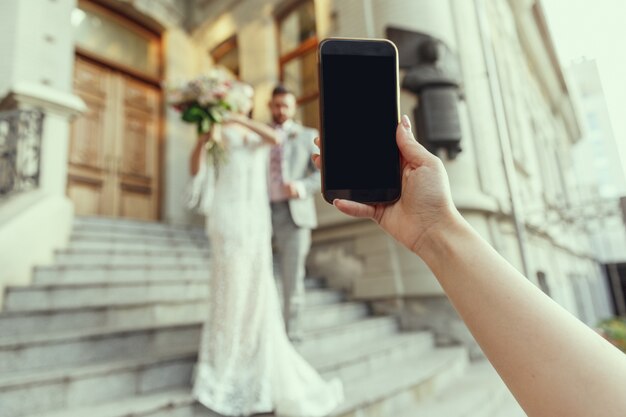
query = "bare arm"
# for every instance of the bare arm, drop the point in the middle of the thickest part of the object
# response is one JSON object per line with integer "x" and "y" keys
{"x": 553, "y": 364}
{"x": 267, "y": 134}
{"x": 194, "y": 162}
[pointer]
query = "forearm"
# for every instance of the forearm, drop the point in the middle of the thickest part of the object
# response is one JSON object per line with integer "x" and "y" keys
{"x": 553, "y": 363}
{"x": 194, "y": 165}
{"x": 268, "y": 134}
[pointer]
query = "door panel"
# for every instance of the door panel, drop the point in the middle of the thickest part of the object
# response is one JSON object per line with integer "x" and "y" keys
{"x": 136, "y": 202}
{"x": 114, "y": 160}
{"x": 88, "y": 152}
{"x": 87, "y": 196}
{"x": 138, "y": 176}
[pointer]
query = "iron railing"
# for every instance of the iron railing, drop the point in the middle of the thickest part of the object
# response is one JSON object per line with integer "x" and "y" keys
{"x": 20, "y": 150}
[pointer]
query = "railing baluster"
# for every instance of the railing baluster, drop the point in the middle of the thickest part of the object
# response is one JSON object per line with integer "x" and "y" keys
{"x": 20, "y": 150}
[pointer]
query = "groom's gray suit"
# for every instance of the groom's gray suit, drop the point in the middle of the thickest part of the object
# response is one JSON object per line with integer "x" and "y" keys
{"x": 293, "y": 219}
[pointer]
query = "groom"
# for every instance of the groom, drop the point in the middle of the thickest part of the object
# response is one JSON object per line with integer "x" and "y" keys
{"x": 293, "y": 181}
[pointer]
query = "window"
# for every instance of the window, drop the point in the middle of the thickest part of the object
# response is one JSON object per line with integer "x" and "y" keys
{"x": 543, "y": 282}
{"x": 297, "y": 45}
{"x": 100, "y": 33}
{"x": 226, "y": 54}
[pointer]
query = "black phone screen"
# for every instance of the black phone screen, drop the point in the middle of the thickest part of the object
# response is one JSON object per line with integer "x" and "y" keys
{"x": 360, "y": 116}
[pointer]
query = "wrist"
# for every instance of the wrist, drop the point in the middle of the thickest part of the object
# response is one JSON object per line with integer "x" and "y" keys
{"x": 242, "y": 120}
{"x": 203, "y": 138}
{"x": 436, "y": 244}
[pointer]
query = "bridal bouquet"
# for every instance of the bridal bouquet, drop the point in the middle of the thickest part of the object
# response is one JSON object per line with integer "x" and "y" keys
{"x": 204, "y": 101}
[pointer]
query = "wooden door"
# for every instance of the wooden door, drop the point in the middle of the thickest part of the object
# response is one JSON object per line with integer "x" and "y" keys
{"x": 113, "y": 155}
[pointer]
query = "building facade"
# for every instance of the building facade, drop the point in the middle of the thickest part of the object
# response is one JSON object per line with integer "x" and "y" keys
{"x": 111, "y": 146}
{"x": 599, "y": 172}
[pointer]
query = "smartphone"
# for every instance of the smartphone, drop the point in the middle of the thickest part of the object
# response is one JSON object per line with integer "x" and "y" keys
{"x": 359, "y": 114}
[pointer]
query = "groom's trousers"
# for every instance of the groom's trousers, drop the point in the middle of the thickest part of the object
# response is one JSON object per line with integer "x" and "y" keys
{"x": 293, "y": 244}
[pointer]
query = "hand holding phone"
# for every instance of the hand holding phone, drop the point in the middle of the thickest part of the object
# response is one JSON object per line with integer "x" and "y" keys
{"x": 425, "y": 205}
{"x": 359, "y": 114}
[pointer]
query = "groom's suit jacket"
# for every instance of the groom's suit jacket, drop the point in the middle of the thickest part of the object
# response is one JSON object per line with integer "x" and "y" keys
{"x": 298, "y": 168}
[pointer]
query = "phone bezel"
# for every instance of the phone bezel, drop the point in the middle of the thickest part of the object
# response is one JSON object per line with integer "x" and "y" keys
{"x": 364, "y": 47}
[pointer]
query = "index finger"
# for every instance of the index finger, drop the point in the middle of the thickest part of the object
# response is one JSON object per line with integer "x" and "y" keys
{"x": 317, "y": 160}
{"x": 316, "y": 157}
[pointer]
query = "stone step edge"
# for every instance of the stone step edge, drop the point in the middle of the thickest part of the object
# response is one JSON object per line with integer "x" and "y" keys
{"x": 479, "y": 384}
{"x": 66, "y": 310}
{"x": 179, "y": 353}
{"x": 103, "y": 284}
{"x": 396, "y": 379}
{"x": 155, "y": 282}
{"x": 132, "y": 407}
{"x": 125, "y": 283}
{"x": 99, "y": 220}
{"x": 397, "y": 341}
{"x": 179, "y": 253}
{"x": 102, "y": 368}
{"x": 366, "y": 322}
{"x": 102, "y": 332}
{"x": 90, "y": 333}
{"x": 141, "y": 229}
{"x": 343, "y": 305}
{"x": 108, "y": 267}
{"x": 130, "y": 237}
{"x": 148, "y": 404}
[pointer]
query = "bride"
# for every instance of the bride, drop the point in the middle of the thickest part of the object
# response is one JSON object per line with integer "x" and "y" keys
{"x": 246, "y": 364}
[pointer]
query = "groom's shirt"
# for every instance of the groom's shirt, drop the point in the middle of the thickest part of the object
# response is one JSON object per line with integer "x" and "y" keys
{"x": 277, "y": 166}
{"x": 277, "y": 157}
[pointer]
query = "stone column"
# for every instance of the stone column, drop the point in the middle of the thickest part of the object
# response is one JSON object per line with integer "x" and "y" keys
{"x": 36, "y": 69}
{"x": 37, "y": 73}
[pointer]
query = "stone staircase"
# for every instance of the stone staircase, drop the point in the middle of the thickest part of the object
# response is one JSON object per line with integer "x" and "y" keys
{"x": 112, "y": 330}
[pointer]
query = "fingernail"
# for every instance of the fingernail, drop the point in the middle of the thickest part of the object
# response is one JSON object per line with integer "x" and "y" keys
{"x": 406, "y": 122}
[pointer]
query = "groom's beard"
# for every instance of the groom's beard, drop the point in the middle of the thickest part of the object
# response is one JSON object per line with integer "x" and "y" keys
{"x": 278, "y": 123}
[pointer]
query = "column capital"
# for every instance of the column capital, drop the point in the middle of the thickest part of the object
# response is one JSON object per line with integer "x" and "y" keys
{"x": 26, "y": 95}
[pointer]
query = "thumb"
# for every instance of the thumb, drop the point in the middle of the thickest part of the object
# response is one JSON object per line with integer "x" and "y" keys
{"x": 412, "y": 151}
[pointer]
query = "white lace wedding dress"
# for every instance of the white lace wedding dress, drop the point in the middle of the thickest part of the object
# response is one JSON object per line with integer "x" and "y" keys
{"x": 246, "y": 363}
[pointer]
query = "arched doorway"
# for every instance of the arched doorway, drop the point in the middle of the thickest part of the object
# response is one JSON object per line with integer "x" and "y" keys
{"x": 114, "y": 153}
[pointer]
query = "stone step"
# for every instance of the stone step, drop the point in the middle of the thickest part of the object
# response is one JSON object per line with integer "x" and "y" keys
{"x": 18, "y": 323}
{"x": 151, "y": 258}
{"x": 479, "y": 392}
{"x": 76, "y": 274}
{"x": 403, "y": 386}
{"x": 95, "y": 242}
{"x": 60, "y": 296}
{"x": 172, "y": 403}
{"x": 328, "y": 315}
{"x": 90, "y": 346}
{"x": 95, "y": 384}
{"x": 138, "y": 225}
{"x": 330, "y": 340}
{"x": 159, "y": 312}
{"x": 79, "y": 347}
{"x": 117, "y": 380}
{"x": 165, "y": 240}
{"x": 380, "y": 395}
{"x": 104, "y": 294}
{"x": 130, "y": 230}
{"x": 366, "y": 360}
